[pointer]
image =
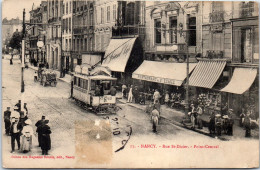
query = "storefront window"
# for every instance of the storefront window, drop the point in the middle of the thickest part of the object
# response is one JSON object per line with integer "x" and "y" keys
{"x": 246, "y": 45}
{"x": 256, "y": 45}
{"x": 158, "y": 34}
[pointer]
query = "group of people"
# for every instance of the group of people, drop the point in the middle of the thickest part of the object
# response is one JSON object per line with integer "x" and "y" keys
{"x": 18, "y": 126}
{"x": 132, "y": 93}
{"x": 99, "y": 90}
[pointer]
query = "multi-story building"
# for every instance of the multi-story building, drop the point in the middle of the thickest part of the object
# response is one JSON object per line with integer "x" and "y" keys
{"x": 54, "y": 42}
{"x": 67, "y": 33}
{"x": 119, "y": 32}
{"x": 172, "y": 36}
{"x": 38, "y": 22}
{"x": 83, "y": 33}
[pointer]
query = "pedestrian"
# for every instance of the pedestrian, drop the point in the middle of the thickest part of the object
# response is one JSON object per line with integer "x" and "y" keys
{"x": 136, "y": 94}
{"x": 230, "y": 123}
{"x": 27, "y": 134}
{"x": 15, "y": 132}
{"x": 7, "y": 120}
{"x": 218, "y": 124}
{"x": 155, "y": 115}
{"x": 25, "y": 108}
{"x": 35, "y": 76}
{"x": 247, "y": 125}
{"x": 14, "y": 114}
{"x": 97, "y": 90}
{"x": 224, "y": 110}
{"x": 212, "y": 123}
{"x": 39, "y": 125}
{"x": 130, "y": 94}
{"x": 167, "y": 98}
{"x": 197, "y": 111}
{"x": 46, "y": 139}
{"x": 241, "y": 117}
{"x": 71, "y": 85}
{"x": 47, "y": 66}
{"x": 124, "y": 88}
{"x": 18, "y": 105}
{"x": 112, "y": 91}
{"x": 156, "y": 96}
{"x": 11, "y": 60}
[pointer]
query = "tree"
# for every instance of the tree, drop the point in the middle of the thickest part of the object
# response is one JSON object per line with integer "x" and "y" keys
{"x": 16, "y": 40}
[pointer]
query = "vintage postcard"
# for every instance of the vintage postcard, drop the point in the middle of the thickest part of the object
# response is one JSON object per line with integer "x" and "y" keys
{"x": 130, "y": 84}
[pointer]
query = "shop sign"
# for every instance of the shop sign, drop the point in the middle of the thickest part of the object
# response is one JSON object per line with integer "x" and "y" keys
{"x": 106, "y": 99}
{"x": 155, "y": 79}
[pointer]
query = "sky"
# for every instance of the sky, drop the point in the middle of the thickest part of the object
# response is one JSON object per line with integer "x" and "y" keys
{"x": 14, "y": 8}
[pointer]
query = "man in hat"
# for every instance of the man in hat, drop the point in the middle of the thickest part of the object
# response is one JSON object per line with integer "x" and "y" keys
{"x": 247, "y": 124}
{"x": 39, "y": 125}
{"x": 112, "y": 91}
{"x": 230, "y": 122}
{"x": 18, "y": 105}
{"x": 15, "y": 132}
{"x": 155, "y": 115}
{"x": 45, "y": 139}
{"x": 156, "y": 96}
{"x": 7, "y": 120}
{"x": 218, "y": 124}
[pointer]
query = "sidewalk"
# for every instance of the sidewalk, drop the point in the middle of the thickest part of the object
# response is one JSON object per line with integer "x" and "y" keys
{"x": 177, "y": 116}
{"x": 66, "y": 79}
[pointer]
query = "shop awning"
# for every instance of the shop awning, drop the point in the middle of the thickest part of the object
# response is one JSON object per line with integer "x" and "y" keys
{"x": 206, "y": 73}
{"x": 118, "y": 53}
{"x": 241, "y": 80}
{"x": 162, "y": 72}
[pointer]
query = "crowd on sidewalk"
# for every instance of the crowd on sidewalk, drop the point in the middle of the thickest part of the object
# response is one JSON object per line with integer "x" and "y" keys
{"x": 19, "y": 127}
{"x": 217, "y": 123}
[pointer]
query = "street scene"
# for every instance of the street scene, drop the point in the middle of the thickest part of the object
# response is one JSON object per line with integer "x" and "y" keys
{"x": 130, "y": 84}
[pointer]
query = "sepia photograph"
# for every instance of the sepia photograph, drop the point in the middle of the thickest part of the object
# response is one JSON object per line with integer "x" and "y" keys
{"x": 130, "y": 84}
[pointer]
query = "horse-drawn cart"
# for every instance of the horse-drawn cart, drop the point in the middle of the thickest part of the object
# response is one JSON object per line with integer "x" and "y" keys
{"x": 47, "y": 77}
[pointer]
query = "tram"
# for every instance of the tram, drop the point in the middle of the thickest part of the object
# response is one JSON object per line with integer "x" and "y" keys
{"x": 91, "y": 89}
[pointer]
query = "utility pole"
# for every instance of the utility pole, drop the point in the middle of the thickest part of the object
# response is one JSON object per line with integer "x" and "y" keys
{"x": 61, "y": 28}
{"x": 22, "y": 64}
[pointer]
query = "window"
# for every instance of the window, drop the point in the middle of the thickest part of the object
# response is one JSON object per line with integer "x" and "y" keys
{"x": 91, "y": 18}
{"x": 102, "y": 16}
{"x": 108, "y": 14}
{"x": 158, "y": 36}
{"x": 70, "y": 7}
{"x": 192, "y": 31}
{"x": 79, "y": 80}
{"x": 173, "y": 30}
{"x": 246, "y": 9}
{"x": 67, "y": 8}
{"x": 85, "y": 84}
{"x": 246, "y": 45}
{"x": 114, "y": 12}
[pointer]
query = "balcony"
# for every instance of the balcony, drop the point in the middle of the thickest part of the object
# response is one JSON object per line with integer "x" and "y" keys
{"x": 214, "y": 54}
{"x": 128, "y": 31}
{"x": 217, "y": 16}
{"x": 78, "y": 30}
{"x": 244, "y": 13}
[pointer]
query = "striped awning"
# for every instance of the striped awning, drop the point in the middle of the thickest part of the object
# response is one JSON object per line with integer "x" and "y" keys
{"x": 241, "y": 80}
{"x": 206, "y": 73}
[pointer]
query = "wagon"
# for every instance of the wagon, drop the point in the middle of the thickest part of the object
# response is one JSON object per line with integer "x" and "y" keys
{"x": 48, "y": 77}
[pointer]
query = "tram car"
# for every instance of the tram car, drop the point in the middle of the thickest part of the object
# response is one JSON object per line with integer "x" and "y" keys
{"x": 91, "y": 89}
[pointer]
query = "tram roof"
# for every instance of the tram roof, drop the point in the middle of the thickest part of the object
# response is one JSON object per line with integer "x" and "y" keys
{"x": 96, "y": 77}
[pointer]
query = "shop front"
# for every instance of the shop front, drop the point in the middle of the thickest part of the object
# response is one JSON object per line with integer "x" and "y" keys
{"x": 164, "y": 76}
{"x": 243, "y": 91}
{"x": 123, "y": 56}
{"x": 208, "y": 77}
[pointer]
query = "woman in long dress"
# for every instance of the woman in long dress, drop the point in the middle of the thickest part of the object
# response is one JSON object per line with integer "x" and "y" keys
{"x": 27, "y": 134}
